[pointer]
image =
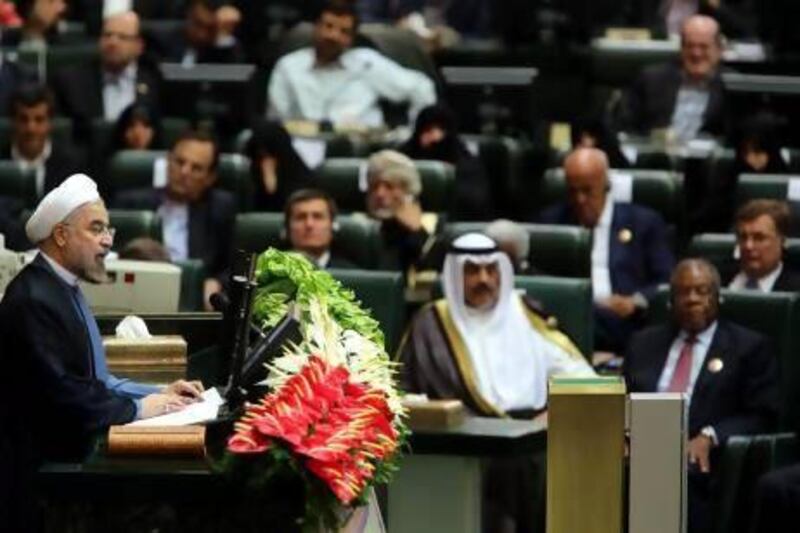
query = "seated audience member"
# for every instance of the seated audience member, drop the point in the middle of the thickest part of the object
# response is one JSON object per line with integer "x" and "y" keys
{"x": 12, "y": 75}
{"x": 514, "y": 240}
{"x": 630, "y": 251}
{"x": 736, "y": 17}
{"x": 493, "y": 349}
{"x": 686, "y": 97}
{"x": 758, "y": 151}
{"x": 207, "y": 36}
{"x": 335, "y": 82}
{"x": 103, "y": 87}
{"x": 39, "y": 27}
{"x": 145, "y": 249}
{"x": 761, "y": 227}
{"x": 436, "y": 137}
{"x": 593, "y": 133}
{"x": 137, "y": 128}
{"x": 727, "y": 372}
{"x": 310, "y": 221}
{"x": 276, "y": 168}
{"x": 51, "y": 345}
{"x": 32, "y": 146}
{"x": 393, "y": 189}
{"x": 197, "y": 218}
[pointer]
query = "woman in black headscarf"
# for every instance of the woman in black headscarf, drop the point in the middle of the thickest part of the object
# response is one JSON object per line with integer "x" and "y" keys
{"x": 276, "y": 169}
{"x": 137, "y": 128}
{"x": 436, "y": 137}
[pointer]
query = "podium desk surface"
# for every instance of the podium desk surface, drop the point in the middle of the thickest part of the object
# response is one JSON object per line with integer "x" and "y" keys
{"x": 483, "y": 437}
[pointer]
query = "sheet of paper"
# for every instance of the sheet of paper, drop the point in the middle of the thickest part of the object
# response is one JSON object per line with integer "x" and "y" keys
{"x": 621, "y": 187}
{"x": 193, "y": 414}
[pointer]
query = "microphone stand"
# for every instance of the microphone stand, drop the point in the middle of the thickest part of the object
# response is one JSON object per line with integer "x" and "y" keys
{"x": 243, "y": 287}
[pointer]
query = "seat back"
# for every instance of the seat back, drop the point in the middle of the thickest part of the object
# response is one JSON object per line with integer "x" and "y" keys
{"x": 357, "y": 238}
{"x": 383, "y": 294}
{"x": 345, "y": 179}
{"x": 131, "y": 224}
{"x": 193, "y": 275}
{"x": 18, "y": 183}
{"x": 772, "y": 186}
{"x": 554, "y": 250}
{"x": 660, "y": 190}
{"x": 133, "y": 169}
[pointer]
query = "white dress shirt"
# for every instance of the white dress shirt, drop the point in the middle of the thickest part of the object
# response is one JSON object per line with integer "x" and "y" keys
{"x": 601, "y": 235}
{"x": 119, "y": 91}
{"x": 699, "y": 352}
{"x": 175, "y": 224}
{"x": 346, "y": 91}
{"x": 690, "y": 108}
{"x": 765, "y": 283}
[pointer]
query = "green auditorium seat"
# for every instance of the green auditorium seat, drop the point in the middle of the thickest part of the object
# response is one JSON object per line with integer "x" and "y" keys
{"x": 772, "y": 186}
{"x": 744, "y": 460}
{"x": 172, "y": 128}
{"x": 131, "y": 224}
{"x": 132, "y": 169}
{"x": 771, "y": 314}
{"x": 341, "y": 177}
{"x": 357, "y": 238}
{"x": 660, "y": 190}
{"x": 193, "y": 274}
{"x": 62, "y": 130}
{"x": 19, "y": 183}
{"x": 555, "y": 250}
{"x": 503, "y": 160}
{"x": 383, "y": 294}
{"x": 570, "y": 301}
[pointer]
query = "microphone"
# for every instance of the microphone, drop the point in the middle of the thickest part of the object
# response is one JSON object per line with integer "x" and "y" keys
{"x": 220, "y": 302}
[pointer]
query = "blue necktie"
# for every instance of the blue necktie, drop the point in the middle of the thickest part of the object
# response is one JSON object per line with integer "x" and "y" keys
{"x": 98, "y": 359}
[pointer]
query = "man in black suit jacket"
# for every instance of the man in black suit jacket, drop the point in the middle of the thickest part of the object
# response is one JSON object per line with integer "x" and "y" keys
{"x": 55, "y": 388}
{"x": 32, "y": 145}
{"x": 727, "y": 371}
{"x": 105, "y": 86}
{"x": 630, "y": 251}
{"x": 687, "y": 96}
{"x": 309, "y": 220}
{"x": 12, "y": 74}
{"x": 197, "y": 219}
{"x": 761, "y": 227}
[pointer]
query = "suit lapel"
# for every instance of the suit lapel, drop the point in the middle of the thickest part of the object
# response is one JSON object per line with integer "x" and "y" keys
{"x": 720, "y": 346}
{"x": 651, "y": 372}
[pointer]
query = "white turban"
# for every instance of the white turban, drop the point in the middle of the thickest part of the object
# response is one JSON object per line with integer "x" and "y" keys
{"x": 75, "y": 191}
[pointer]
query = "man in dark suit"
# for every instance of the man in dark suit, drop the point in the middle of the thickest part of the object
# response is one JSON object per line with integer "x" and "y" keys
{"x": 32, "y": 146}
{"x": 309, "y": 219}
{"x": 761, "y": 227}
{"x": 727, "y": 371}
{"x": 12, "y": 74}
{"x": 207, "y": 37}
{"x": 630, "y": 251}
{"x": 105, "y": 86}
{"x": 686, "y": 97}
{"x": 197, "y": 218}
{"x": 55, "y": 389}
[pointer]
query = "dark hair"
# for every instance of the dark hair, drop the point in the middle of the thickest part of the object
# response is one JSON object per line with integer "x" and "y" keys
{"x": 137, "y": 111}
{"x": 341, "y": 8}
{"x": 778, "y": 211}
{"x": 211, "y": 5}
{"x": 30, "y": 95}
{"x": 145, "y": 249}
{"x": 605, "y": 138}
{"x": 203, "y": 136}
{"x": 760, "y": 132}
{"x": 305, "y": 195}
{"x": 449, "y": 149}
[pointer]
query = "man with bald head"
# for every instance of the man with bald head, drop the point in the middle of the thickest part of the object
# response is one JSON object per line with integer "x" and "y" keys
{"x": 684, "y": 96}
{"x": 727, "y": 372}
{"x": 56, "y": 392}
{"x": 630, "y": 252}
{"x": 105, "y": 86}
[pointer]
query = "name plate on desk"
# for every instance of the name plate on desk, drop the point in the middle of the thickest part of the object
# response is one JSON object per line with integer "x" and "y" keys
{"x": 184, "y": 441}
{"x": 434, "y": 414}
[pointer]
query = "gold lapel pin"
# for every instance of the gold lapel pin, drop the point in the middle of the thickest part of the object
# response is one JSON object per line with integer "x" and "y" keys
{"x": 142, "y": 88}
{"x": 715, "y": 365}
{"x": 625, "y": 235}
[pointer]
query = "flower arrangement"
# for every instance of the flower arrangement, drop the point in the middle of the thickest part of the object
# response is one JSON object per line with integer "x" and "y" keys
{"x": 333, "y": 414}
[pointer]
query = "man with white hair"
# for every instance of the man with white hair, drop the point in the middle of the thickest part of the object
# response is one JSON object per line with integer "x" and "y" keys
{"x": 494, "y": 350}
{"x": 514, "y": 240}
{"x": 393, "y": 189}
{"x": 55, "y": 389}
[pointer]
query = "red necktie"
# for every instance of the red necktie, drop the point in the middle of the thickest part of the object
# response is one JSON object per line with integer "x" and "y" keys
{"x": 683, "y": 368}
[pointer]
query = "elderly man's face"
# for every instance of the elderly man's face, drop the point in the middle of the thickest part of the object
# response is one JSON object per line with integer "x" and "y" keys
{"x": 120, "y": 43}
{"x": 31, "y": 129}
{"x": 481, "y": 284}
{"x": 86, "y": 238}
{"x": 700, "y": 49}
{"x": 189, "y": 170}
{"x": 587, "y": 186}
{"x": 333, "y": 34}
{"x": 694, "y": 300}
{"x": 310, "y": 226}
{"x": 384, "y": 197}
{"x": 760, "y": 246}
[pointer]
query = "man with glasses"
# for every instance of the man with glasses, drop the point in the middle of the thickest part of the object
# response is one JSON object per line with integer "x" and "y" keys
{"x": 761, "y": 227}
{"x": 197, "y": 218}
{"x": 105, "y": 86}
{"x": 56, "y": 392}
